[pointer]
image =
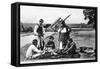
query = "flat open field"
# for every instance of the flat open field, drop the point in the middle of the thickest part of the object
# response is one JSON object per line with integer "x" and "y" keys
{"x": 81, "y": 38}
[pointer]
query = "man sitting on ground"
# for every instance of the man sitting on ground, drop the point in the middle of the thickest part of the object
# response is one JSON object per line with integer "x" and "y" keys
{"x": 70, "y": 49}
{"x": 49, "y": 49}
{"x": 50, "y": 46}
{"x": 33, "y": 51}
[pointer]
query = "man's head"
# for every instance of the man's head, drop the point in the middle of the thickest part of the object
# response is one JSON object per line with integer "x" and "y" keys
{"x": 51, "y": 38}
{"x": 63, "y": 24}
{"x": 34, "y": 42}
{"x": 41, "y": 21}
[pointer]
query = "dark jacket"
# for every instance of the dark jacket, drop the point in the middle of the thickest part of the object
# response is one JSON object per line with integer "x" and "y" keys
{"x": 40, "y": 30}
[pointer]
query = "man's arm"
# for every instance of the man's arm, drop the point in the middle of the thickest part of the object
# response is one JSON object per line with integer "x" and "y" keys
{"x": 36, "y": 50}
{"x": 43, "y": 30}
{"x": 35, "y": 30}
{"x": 71, "y": 46}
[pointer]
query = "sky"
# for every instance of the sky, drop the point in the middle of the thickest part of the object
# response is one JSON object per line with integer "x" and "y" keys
{"x": 32, "y": 14}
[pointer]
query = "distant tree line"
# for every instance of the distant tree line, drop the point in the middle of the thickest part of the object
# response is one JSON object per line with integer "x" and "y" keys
{"x": 25, "y": 29}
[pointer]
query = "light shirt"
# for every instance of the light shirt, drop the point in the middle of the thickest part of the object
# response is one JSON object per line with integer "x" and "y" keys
{"x": 62, "y": 30}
